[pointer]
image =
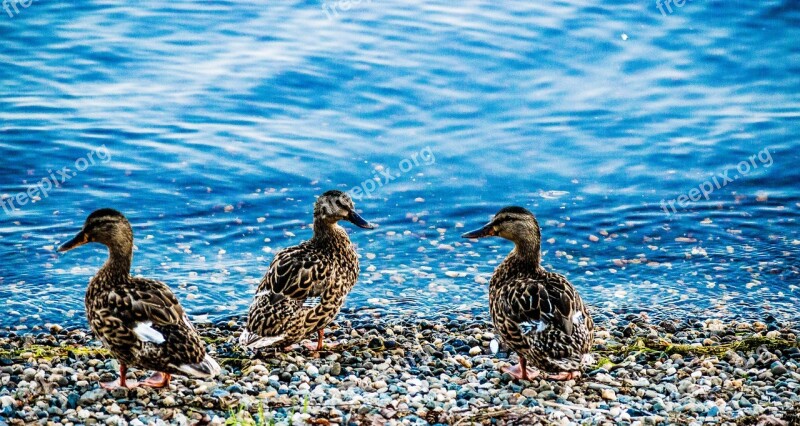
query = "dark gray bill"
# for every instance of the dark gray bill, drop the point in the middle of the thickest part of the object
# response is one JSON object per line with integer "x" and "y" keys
{"x": 486, "y": 231}
{"x": 359, "y": 221}
{"x": 78, "y": 241}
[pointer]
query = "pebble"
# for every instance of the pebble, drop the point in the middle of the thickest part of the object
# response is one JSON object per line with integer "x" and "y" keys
{"x": 7, "y": 401}
{"x": 778, "y": 369}
{"x": 92, "y": 396}
{"x": 608, "y": 394}
{"x": 416, "y": 371}
{"x": 466, "y": 363}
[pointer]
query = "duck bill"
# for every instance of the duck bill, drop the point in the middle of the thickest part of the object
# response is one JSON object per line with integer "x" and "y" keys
{"x": 486, "y": 231}
{"x": 79, "y": 240}
{"x": 359, "y": 221}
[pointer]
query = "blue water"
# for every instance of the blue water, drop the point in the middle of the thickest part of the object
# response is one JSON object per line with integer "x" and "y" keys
{"x": 213, "y": 126}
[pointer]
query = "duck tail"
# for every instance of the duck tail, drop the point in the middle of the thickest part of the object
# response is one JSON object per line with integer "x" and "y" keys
{"x": 253, "y": 341}
{"x": 207, "y": 368}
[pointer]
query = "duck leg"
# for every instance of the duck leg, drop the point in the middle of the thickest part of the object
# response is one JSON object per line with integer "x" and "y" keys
{"x": 120, "y": 383}
{"x": 319, "y": 346}
{"x": 565, "y": 375}
{"x": 521, "y": 371}
{"x": 158, "y": 380}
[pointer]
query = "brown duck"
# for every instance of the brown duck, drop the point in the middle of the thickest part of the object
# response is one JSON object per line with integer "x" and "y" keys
{"x": 138, "y": 320}
{"x": 537, "y": 313}
{"x": 306, "y": 285}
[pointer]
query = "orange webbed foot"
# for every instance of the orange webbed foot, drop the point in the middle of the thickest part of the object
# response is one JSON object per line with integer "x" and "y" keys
{"x": 521, "y": 373}
{"x": 119, "y": 384}
{"x": 565, "y": 375}
{"x": 158, "y": 380}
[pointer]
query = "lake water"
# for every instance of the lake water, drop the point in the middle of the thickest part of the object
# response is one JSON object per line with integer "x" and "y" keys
{"x": 213, "y": 126}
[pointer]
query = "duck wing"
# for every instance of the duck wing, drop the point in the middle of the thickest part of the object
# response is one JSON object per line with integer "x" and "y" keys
{"x": 148, "y": 301}
{"x": 542, "y": 302}
{"x": 295, "y": 273}
{"x": 295, "y": 280}
{"x": 138, "y": 309}
{"x": 146, "y": 314}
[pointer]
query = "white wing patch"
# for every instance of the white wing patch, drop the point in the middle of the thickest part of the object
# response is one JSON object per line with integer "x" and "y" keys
{"x": 529, "y": 327}
{"x": 208, "y": 368}
{"x": 188, "y": 322}
{"x": 263, "y": 293}
{"x": 253, "y": 341}
{"x": 312, "y": 302}
{"x": 146, "y": 333}
{"x": 577, "y": 319}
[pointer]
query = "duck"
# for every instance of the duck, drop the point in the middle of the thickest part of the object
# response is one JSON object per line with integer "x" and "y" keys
{"x": 138, "y": 320}
{"x": 537, "y": 313}
{"x": 306, "y": 285}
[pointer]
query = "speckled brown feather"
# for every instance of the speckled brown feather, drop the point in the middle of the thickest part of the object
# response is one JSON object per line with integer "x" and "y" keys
{"x": 114, "y": 305}
{"x": 325, "y": 267}
{"x": 519, "y": 295}
{"x": 537, "y": 313}
{"x": 118, "y": 304}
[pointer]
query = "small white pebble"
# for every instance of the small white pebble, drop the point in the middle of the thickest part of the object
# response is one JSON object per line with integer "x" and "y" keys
{"x": 608, "y": 394}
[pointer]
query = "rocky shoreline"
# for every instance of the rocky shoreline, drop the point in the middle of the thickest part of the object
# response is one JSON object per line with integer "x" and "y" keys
{"x": 390, "y": 370}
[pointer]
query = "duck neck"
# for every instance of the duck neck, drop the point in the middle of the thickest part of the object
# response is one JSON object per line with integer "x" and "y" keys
{"x": 329, "y": 233}
{"x": 526, "y": 253}
{"x": 119, "y": 260}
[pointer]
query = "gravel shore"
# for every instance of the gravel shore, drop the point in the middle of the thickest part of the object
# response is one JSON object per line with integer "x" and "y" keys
{"x": 389, "y": 370}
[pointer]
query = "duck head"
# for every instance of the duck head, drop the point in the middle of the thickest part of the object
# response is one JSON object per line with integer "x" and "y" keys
{"x": 513, "y": 223}
{"x": 334, "y": 206}
{"x": 105, "y": 226}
